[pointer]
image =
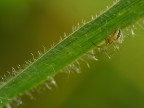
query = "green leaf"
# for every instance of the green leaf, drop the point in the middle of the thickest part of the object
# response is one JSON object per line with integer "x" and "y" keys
{"x": 121, "y": 15}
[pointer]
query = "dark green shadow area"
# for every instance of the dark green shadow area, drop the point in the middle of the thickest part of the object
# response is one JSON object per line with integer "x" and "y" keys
{"x": 105, "y": 88}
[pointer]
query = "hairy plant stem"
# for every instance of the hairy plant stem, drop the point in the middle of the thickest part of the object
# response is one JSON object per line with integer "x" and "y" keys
{"x": 122, "y": 14}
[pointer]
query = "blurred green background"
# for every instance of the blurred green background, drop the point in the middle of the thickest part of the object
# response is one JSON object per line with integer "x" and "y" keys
{"x": 27, "y": 25}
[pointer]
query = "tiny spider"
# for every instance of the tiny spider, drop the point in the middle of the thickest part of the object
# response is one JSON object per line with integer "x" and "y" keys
{"x": 114, "y": 39}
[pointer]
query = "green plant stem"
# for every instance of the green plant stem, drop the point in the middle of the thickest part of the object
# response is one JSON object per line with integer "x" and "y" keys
{"x": 121, "y": 15}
